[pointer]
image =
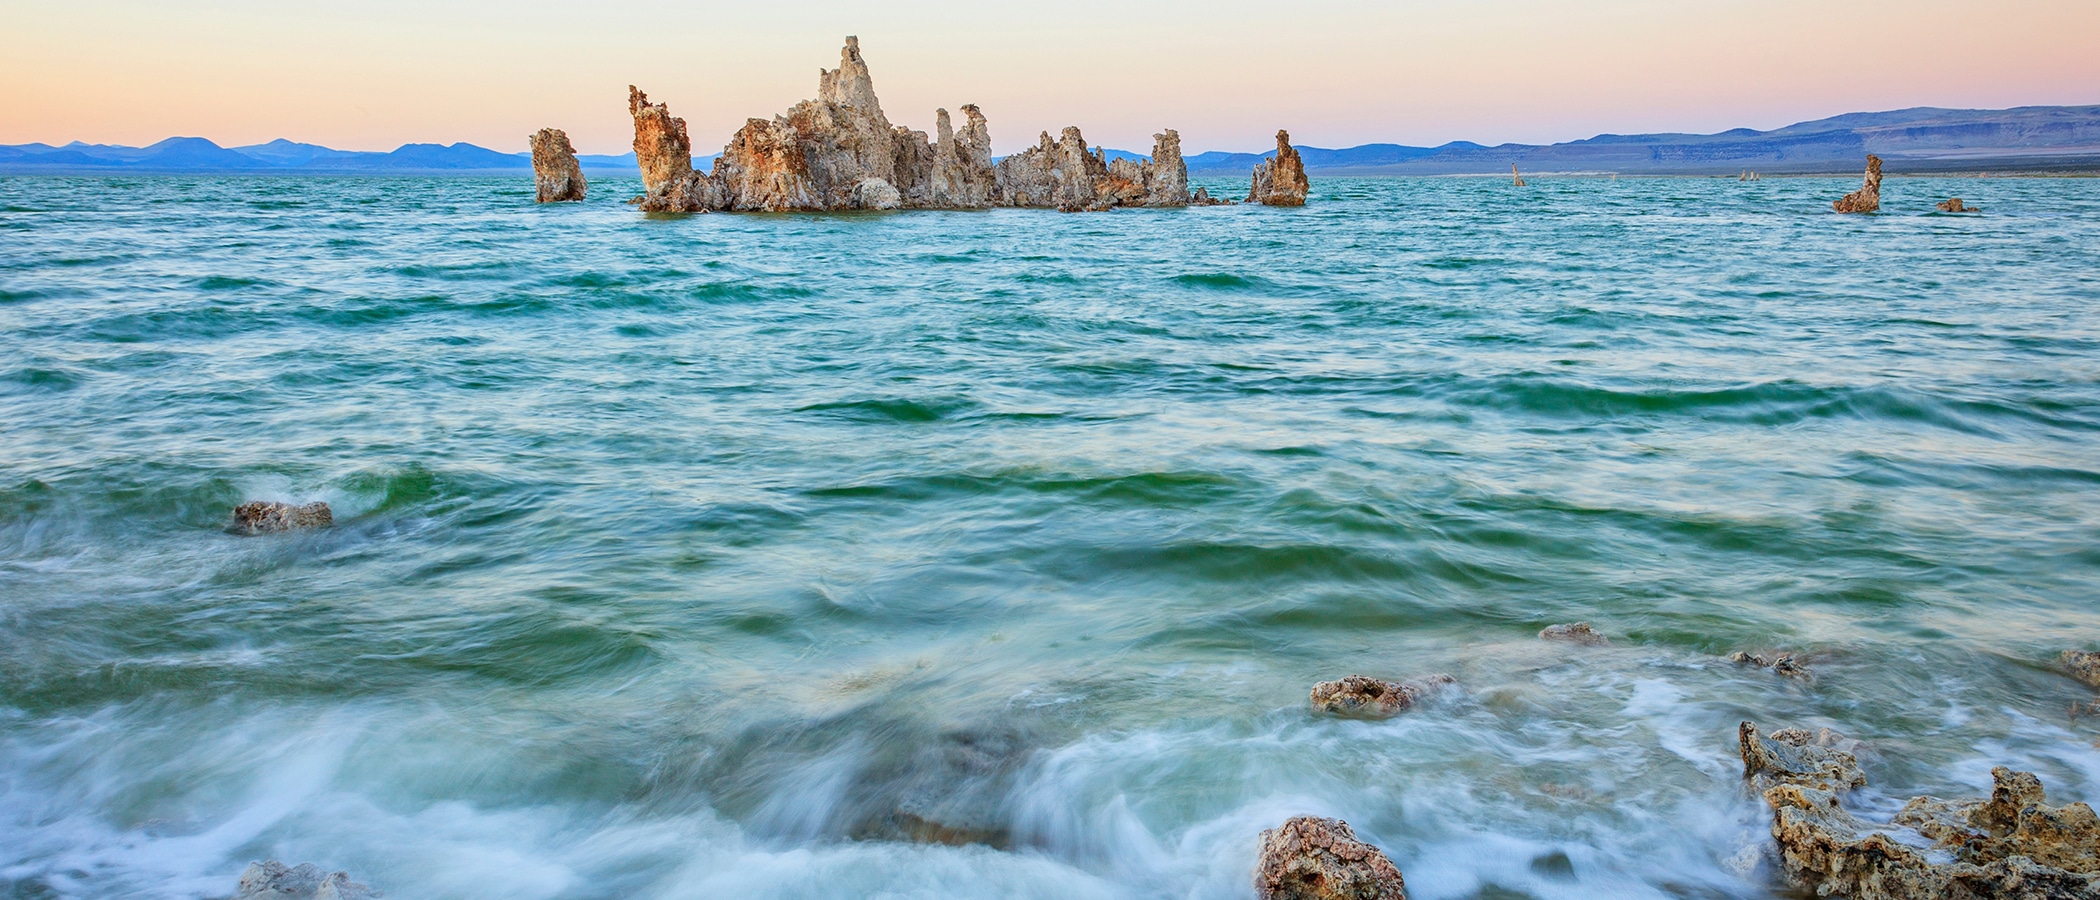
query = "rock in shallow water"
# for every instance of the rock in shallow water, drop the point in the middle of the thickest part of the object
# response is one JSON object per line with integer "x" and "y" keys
{"x": 273, "y": 880}
{"x": 1779, "y": 663}
{"x": 1868, "y": 198}
{"x": 1823, "y": 761}
{"x": 2010, "y": 846}
{"x": 264, "y": 517}
{"x": 556, "y": 175}
{"x": 1362, "y": 696}
{"x": 1310, "y": 858}
{"x": 1954, "y": 205}
{"x": 2083, "y": 665}
{"x": 1280, "y": 180}
{"x": 1576, "y": 633}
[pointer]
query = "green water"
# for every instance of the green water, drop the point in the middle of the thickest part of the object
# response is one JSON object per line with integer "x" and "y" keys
{"x": 702, "y": 556}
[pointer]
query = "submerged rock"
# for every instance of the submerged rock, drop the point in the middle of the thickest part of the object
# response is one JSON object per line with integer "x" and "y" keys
{"x": 1362, "y": 696}
{"x": 2011, "y": 845}
{"x": 1310, "y": 858}
{"x": 1779, "y": 663}
{"x": 1577, "y": 633}
{"x": 1868, "y": 198}
{"x": 556, "y": 176}
{"x": 266, "y": 517}
{"x": 949, "y": 790}
{"x": 1823, "y": 761}
{"x": 273, "y": 880}
{"x": 2083, "y": 665}
{"x": 839, "y": 151}
{"x": 1953, "y": 205}
{"x": 1280, "y": 181}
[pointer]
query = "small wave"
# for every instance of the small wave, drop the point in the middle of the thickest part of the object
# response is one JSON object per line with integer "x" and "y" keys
{"x": 892, "y": 409}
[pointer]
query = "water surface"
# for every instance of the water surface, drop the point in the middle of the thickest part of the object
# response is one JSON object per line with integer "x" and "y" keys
{"x": 742, "y": 555}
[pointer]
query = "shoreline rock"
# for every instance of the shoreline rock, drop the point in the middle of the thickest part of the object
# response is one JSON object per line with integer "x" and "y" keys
{"x": 556, "y": 175}
{"x": 268, "y": 517}
{"x": 1361, "y": 696}
{"x": 2083, "y": 665}
{"x": 1280, "y": 181}
{"x": 1311, "y": 858}
{"x": 1823, "y": 760}
{"x": 273, "y": 880}
{"x": 2011, "y": 845}
{"x": 1780, "y": 663}
{"x": 840, "y": 152}
{"x": 1868, "y": 198}
{"x": 1574, "y": 633}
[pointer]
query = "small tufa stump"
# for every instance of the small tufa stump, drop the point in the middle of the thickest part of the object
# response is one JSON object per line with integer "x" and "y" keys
{"x": 1953, "y": 205}
{"x": 265, "y": 517}
{"x": 1280, "y": 181}
{"x": 1310, "y": 858}
{"x": 1822, "y": 761}
{"x": 2083, "y": 665}
{"x": 1868, "y": 198}
{"x": 556, "y": 175}
{"x": 1364, "y": 697}
{"x": 273, "y": 880}
{"x": 1576, "y": 633}
{"x": 1779, "y": 663}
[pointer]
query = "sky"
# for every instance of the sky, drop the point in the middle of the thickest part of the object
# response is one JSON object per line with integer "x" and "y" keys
{"x": 375, "y": 74}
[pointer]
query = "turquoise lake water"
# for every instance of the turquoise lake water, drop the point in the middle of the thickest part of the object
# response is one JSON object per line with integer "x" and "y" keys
{"x": 724, "y": 556}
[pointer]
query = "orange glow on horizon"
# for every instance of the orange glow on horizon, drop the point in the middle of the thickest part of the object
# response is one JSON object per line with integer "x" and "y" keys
{"x": 1227, "y": 73}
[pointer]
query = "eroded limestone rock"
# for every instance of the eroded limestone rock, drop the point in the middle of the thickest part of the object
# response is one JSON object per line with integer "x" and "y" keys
{"x": 556, "y": 176}
{"x": 1823, "y": 760}
{"x": 1310, "y": 858}
{"x": 1868, "y": 198}
{"x": 2011, "y": 845}
{"x": 1779, "y": 663}
{"x": 1280, "y": 180}
{"x": 1574, "y": 633}
{"x": 2083, "y": 665}
{"x": 267, "y": 517}
{"x": 839, "y": 151}
{"x": 1361, "y": 696}
{"x": 273, "y": 880}
{"x": 1954, "y": 205}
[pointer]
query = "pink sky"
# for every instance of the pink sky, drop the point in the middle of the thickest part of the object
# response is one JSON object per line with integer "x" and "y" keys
{"x": 1227, "y": 73}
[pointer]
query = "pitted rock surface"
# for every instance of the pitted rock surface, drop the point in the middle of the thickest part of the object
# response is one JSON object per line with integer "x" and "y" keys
{"x": 1361, "y": 696}
{"x": 1311, "y": 858}
{"x": 2083, "y": 665}
{"x": 1779, "y": 663}
{"x": 1574, "y": 633}
{"x": 266, "y": 517}
{"x": 1823, "y": 760}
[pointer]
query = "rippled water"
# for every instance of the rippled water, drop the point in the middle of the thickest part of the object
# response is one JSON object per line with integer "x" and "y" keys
{"x": 727, "y": 555}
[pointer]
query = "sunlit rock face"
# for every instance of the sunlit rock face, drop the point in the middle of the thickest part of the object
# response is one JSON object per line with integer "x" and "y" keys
{"x": 1868, "y": 198}
{"x": 556, "y": 175}
{"x": 1280, "y": 181}
{"x": 839, "y": 151}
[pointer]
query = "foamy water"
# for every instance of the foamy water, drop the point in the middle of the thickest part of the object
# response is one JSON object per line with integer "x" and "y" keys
{"x": 712, "y": 556}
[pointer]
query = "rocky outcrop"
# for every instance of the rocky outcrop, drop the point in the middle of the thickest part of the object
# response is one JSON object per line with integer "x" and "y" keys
{"x": 1576, "y": 633}
{"x": 273, "y": 880}
{"x": 1280, "y": 180}
{"x": 1779, "y": 663}
{"x": 839, "y": 151}
{"x": 556, "y": 176}
{"x": 665, "y": 156}
{"x": 1954, "y": 205}
{"x": 2083, "y": 665}
{"x": 1868, "y": 198}
{"x": 266, "y": 517}
{"x": 2012, "y": 846}
{"x": 1361, "y": 696}
{"x": 1823, "y": 760}
{"x": 1310, "y": 858}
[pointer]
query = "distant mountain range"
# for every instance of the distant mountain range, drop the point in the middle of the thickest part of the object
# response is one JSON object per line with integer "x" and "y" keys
{"x": 1924, "y": 139}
